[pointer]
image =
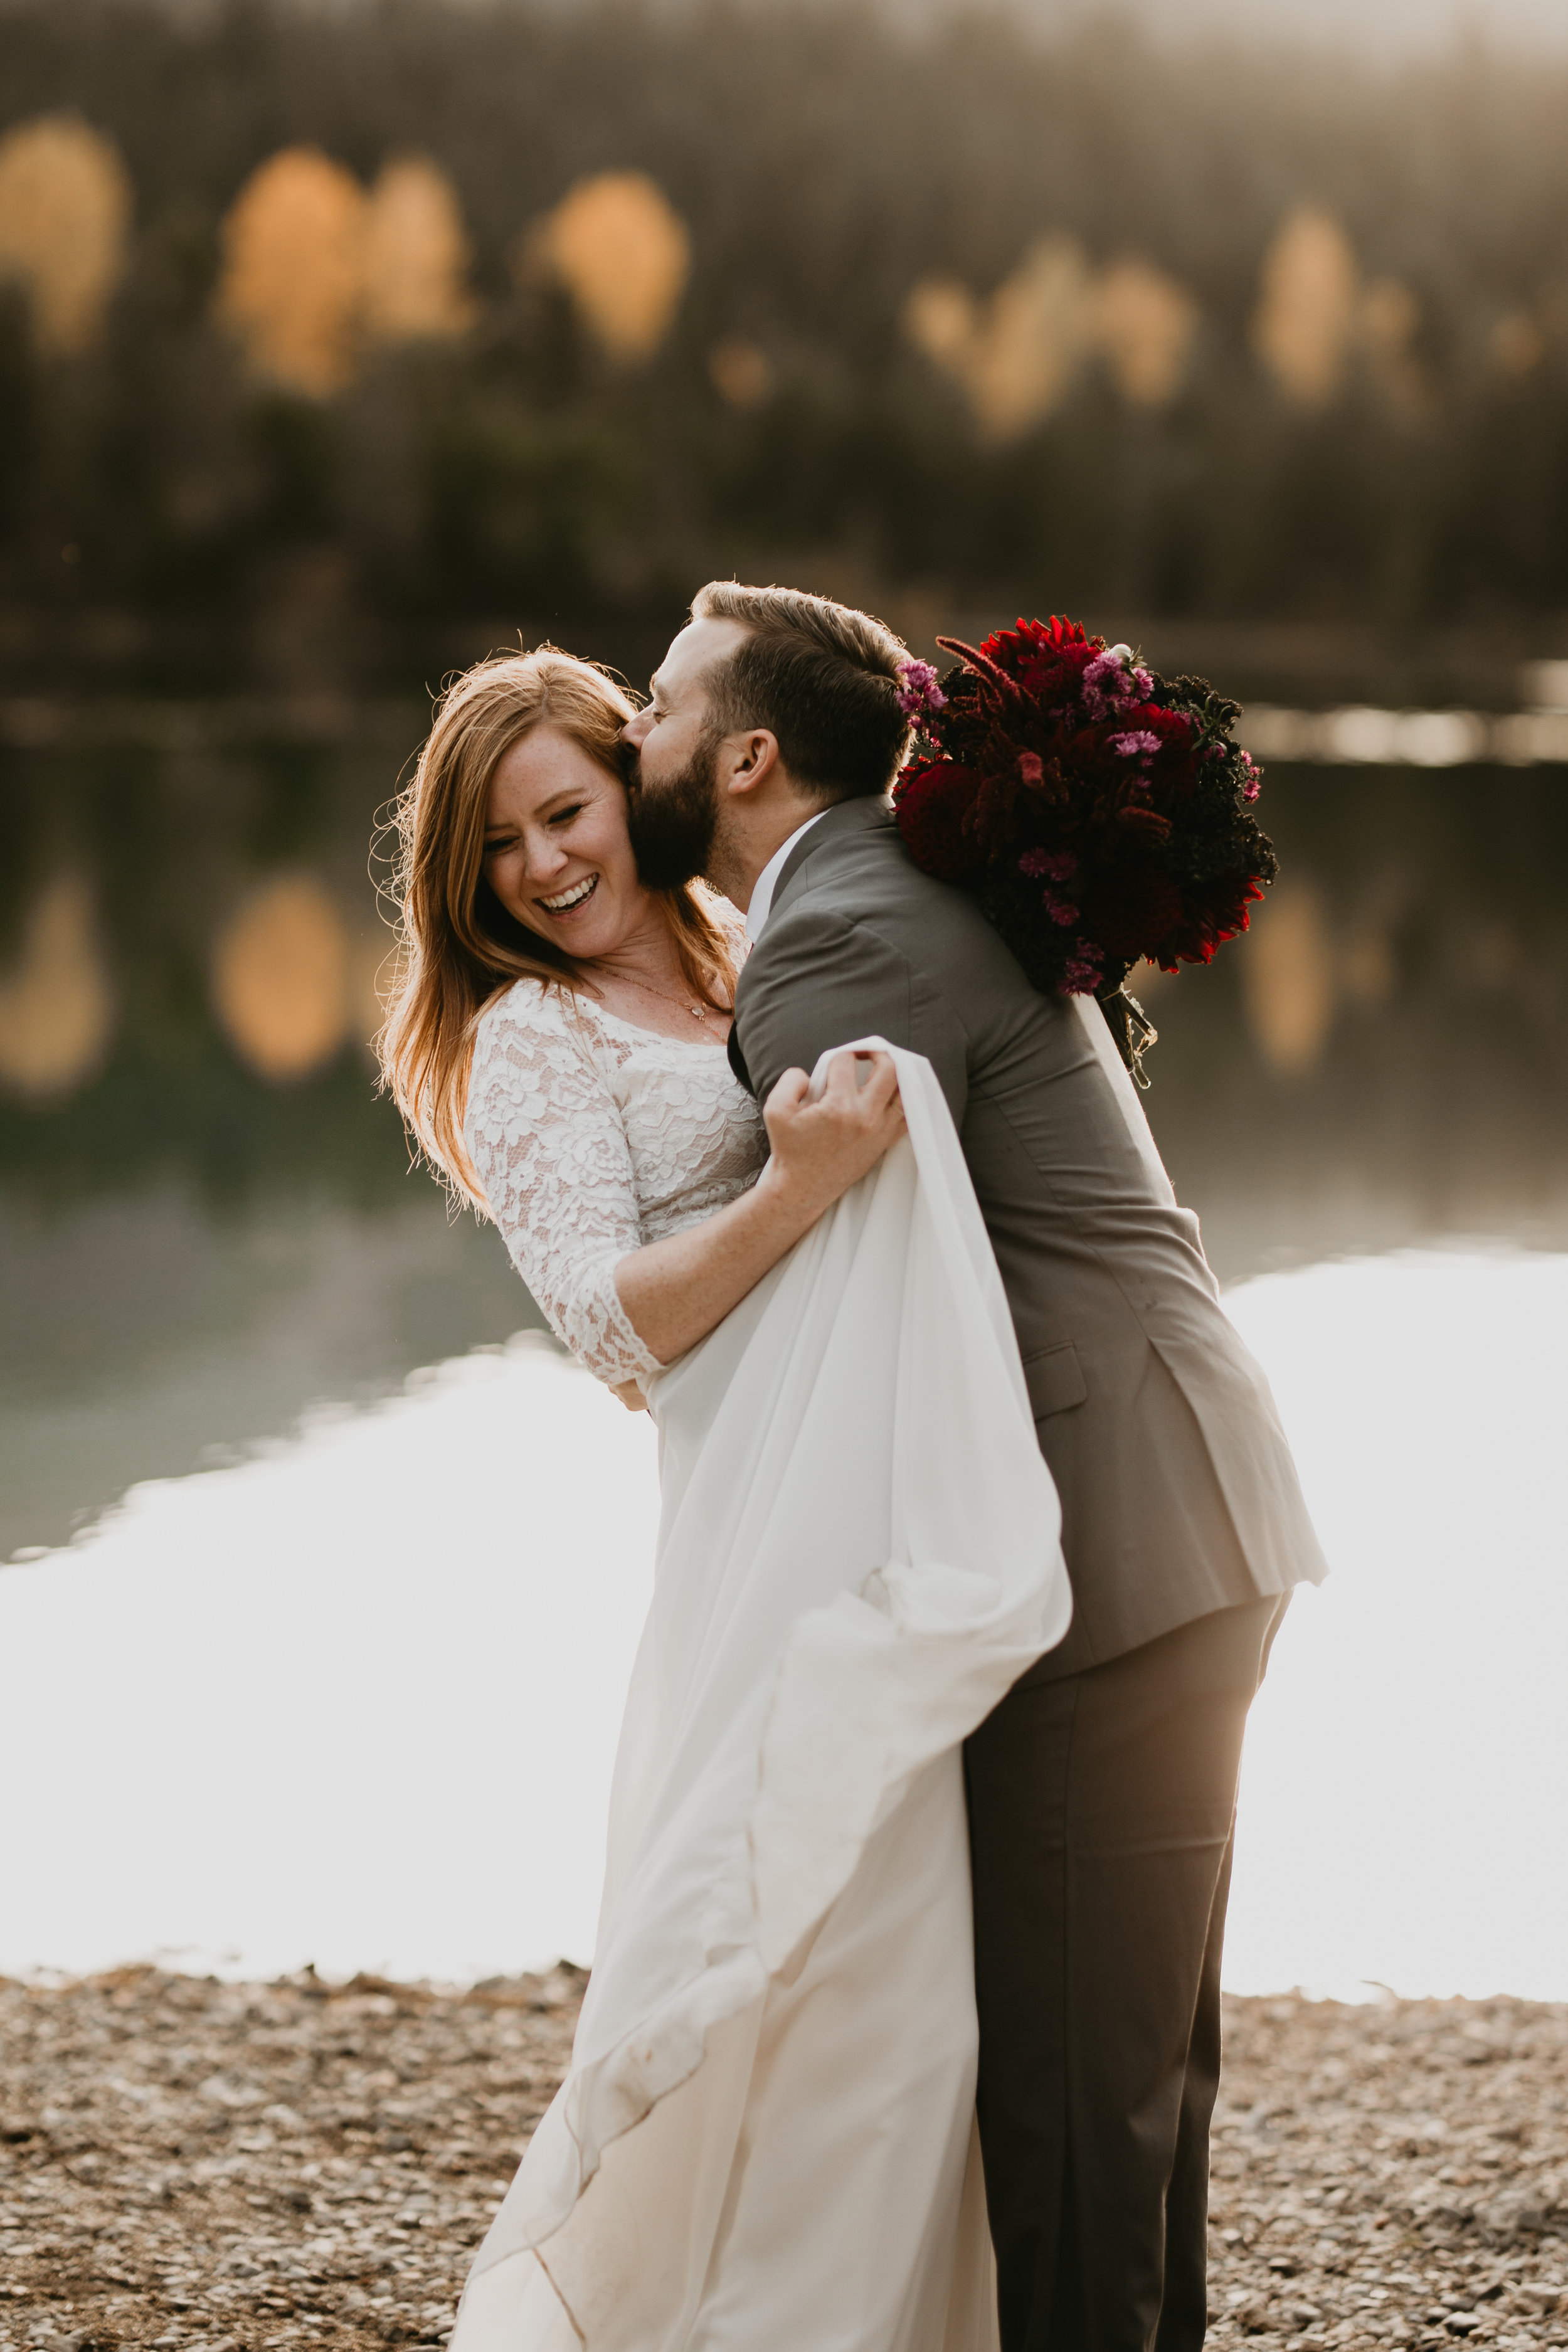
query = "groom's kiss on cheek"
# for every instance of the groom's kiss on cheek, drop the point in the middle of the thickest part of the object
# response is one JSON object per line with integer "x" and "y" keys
{"x": 710, "y": 792}
{"x": 672, "y": 762}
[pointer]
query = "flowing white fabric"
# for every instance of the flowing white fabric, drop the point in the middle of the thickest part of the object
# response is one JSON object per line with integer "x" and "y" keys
{"x": 765, "y": 2139}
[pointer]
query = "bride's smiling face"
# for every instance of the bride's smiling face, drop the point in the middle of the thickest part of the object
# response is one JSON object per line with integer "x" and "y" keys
{"x": 557, "y": 853}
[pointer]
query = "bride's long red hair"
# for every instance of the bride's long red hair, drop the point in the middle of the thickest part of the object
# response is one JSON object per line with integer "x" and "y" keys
{"x": 458, "y": 946}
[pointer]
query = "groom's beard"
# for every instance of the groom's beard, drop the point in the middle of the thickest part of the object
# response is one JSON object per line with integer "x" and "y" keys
{"x": 672, "y": 824}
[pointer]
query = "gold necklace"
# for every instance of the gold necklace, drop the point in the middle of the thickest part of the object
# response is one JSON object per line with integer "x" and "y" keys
{"x": 697, "y": 1011}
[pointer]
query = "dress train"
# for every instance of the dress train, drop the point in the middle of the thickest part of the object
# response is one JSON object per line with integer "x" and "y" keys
{"x": 765, "y": 2140}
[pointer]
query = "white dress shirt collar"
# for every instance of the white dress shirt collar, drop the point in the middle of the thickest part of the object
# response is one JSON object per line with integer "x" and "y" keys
{"x": 767, "y": 881}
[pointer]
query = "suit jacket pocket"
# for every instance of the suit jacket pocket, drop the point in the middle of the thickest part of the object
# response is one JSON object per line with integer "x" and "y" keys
{"x": 1055, "y": 1380}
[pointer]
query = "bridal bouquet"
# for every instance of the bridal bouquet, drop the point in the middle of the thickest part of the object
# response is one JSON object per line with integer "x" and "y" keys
{"x": 1099, "y": 815}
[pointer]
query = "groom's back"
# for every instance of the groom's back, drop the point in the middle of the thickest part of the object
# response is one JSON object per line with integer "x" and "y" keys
{"x": 1179, "y": 1496}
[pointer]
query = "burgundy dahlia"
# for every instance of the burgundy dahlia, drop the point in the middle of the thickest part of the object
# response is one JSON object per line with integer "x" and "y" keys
{"x": 1100, "y": 815}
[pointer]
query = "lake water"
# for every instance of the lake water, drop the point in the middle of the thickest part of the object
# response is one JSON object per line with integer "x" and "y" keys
{"x": 355, "y": 1702}
{"x": 349, "y": 1691}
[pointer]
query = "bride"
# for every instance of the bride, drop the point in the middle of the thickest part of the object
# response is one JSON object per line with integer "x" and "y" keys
{"x": 765, "y": 2139}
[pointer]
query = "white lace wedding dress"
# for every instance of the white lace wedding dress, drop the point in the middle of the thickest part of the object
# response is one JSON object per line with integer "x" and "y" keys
{"x": 592, "y": 1136}
{"x": 765, "y": 2140}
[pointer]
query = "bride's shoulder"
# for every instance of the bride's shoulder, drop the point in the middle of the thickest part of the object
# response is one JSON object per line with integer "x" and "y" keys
{"x": 535, "y": 1064}
{"x": 530, "y": 1014}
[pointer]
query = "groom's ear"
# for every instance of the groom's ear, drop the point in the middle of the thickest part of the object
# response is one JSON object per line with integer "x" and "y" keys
{"x": 747, "y": 760}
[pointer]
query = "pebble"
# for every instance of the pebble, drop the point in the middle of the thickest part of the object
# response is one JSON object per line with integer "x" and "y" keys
{"x": 1394, "y": 2174}
{"x": 190, "y": 2166}
{"x": 198, "y": 2167}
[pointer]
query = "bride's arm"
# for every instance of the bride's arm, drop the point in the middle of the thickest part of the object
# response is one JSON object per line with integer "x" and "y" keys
{"x": 550, "y": 1148}
{"x": 675, "y": 1290}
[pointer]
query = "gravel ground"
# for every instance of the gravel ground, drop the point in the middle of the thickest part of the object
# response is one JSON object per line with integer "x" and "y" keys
{"x": 202, "y": 2166}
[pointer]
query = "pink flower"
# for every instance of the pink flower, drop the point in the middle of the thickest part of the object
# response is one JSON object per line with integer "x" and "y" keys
{"x": 918, "y": 691}
{"x": 1060, "y": 865}
{"x": 1134, "y": 745}
{"x": 1253, "y": 783}
{"x": 1084, "y": 968}
{"x": 1060, "y": 911}
{"x": 1113, "y": 680}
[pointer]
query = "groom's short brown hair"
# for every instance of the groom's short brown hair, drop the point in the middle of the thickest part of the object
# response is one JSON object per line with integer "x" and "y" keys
{"x": 821, "y": 677}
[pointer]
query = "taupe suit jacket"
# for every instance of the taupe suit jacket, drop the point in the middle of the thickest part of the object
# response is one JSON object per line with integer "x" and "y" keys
{"x": 1178, "y": 1494}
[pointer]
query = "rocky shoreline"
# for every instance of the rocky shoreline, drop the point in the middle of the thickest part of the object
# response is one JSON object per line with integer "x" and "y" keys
{"x": 198, "y": 2167}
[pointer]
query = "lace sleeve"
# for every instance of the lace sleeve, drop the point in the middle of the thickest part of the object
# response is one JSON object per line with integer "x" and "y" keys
{"x": 549, "y": 1146}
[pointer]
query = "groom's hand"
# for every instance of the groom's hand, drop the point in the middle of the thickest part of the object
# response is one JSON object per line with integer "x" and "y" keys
{"x": 820, "y": 1149}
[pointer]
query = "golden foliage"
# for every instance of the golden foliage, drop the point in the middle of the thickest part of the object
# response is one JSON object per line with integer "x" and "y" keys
{"x": 1144, "y": 323}
{"x": 1288, "y": 979}
{"x": 741, "y": 374}
{"x": 294, "y": 247}
{"x": 314, "y": 268}
{"x": 623, "y": 254}
{"x": 416, "y": 255}
{"x": 56, "y": 1006}
{"x": 1306, "y": 317}
{"x": 282, "y": 978}
{"x": 1015, "y": 355}
{"x": 1313, "y": 315}
{"x": 65, "y": 207}
{"x": 941, "y": 318}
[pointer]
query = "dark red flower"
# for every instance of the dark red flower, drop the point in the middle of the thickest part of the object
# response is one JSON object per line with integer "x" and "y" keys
{"x": 1009, "y": 647}
{"x": 934, "y": 805}
{"x": 1053, "y": 757}
{"x": 1135, "y": 921}
{"x": 1046, "y": 658}
{"x": 1205, "y": 928}
{"x": 1174, "y": 728}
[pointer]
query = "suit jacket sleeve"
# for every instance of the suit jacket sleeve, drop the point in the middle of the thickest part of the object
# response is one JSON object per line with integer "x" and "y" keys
{"x": 814, "y": 980}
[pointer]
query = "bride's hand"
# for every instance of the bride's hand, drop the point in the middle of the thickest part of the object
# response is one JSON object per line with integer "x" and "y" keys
{"x": 675, "y": 1290}
{"x": 820, "y": 1149}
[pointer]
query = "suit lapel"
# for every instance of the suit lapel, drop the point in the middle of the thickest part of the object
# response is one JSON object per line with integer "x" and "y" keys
{"x": 846, "y": 820}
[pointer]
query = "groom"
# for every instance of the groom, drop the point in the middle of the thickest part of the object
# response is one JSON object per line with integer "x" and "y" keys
{"x": 1102, "y": 1790}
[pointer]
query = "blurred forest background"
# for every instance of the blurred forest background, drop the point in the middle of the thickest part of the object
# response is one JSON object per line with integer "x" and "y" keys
{"x": 339, "y": 345}
{"x": 320, "y": 326}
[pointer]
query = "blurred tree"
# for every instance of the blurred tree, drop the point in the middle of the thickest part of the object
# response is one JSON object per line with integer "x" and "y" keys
{"x": 1306, "y": 318}
{"x": 416, "y": 255}
{"x": 622, "y": 253}
{"x": 983, "y": 315}
{"x": 65, "y": 207}
{"x": 1144, "y": 323}
{"x": 1017, "y": 354}
{"x": 294, "y": 268}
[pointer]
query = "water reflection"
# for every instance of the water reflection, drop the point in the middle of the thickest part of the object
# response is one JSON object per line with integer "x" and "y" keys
{"x": 281, "y": 969}
{"x": 157, "y": 1332}
{"x": 208, "y": 1221}
{"x": 1382, "y": 1058}
{"x": 56, "y": 1003}
{"x": 417, "y": 1647}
